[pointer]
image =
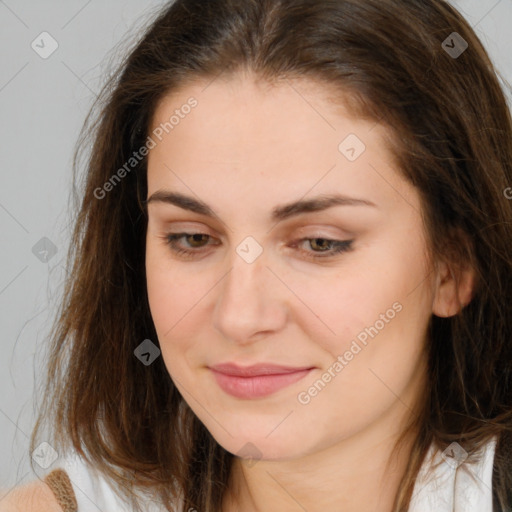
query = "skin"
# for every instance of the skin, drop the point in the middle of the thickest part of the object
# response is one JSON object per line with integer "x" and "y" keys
{"x": 245, "y": 149}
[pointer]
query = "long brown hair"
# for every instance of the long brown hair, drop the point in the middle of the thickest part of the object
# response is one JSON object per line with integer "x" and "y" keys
{"x": 452, "y": 139}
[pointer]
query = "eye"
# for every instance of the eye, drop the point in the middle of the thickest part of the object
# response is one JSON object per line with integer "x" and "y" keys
{"x": 195, "y": 241}
{"x": 321, "y": 247}
{"x": 326, "y": 247}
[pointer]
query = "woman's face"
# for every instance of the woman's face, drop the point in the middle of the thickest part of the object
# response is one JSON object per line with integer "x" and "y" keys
{"x": 252, "y": 171}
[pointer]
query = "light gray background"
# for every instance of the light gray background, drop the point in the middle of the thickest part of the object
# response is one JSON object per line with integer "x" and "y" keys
{"x": 43, "y": 104}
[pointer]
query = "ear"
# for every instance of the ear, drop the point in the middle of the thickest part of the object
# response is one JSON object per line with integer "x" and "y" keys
{"x": 454, "y": 289}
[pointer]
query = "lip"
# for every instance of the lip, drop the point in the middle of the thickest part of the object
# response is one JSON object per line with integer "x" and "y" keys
{"x": 256, "y": 381}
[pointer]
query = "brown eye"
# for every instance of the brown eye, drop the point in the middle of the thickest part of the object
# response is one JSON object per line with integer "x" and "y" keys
{"x": 320, "y": 244}
{"x": 196, "y": 239}
{"x": 324, "y": 247}
{"x": 187, "y": 244}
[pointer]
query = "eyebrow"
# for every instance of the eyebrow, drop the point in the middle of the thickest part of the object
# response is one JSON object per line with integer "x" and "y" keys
{"x": 279, "y": 213}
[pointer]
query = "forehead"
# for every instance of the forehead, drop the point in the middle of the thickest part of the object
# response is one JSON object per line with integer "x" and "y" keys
{"x": 281, "y": 140}
{"x": 250, "y": 104}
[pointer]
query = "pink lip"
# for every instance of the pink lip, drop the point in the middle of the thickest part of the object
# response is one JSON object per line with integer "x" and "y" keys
{"x": 256, "y": 381}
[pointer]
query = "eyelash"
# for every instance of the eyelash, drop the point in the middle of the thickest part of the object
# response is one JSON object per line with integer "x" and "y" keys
{"x": 341, "y": 246}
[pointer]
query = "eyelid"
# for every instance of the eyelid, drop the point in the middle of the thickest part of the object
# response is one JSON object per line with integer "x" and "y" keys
{"x": 304, "y": 230}
{"x": 287, "y": 225}
{"x": 187, "y": 227}
{"x": 338, "y": 247}
{"x": 323, "y": 231}
{"x": 303, "y": 233}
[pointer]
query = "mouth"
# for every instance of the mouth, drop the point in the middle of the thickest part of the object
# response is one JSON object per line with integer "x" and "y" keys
{"x": 256, "y": 381}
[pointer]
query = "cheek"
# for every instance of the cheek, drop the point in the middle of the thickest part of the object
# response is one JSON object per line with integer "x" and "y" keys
{"x": 169, "y": 302}
{"x": 179, "y": 298}
{"x": 172, "y": 297}
{"x": 372, "y": 359}
{"x": 336, "y": 308}
{"x": 374, "y": 310}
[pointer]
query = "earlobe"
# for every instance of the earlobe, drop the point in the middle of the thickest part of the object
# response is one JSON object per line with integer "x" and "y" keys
{"x": 454, "y": 290}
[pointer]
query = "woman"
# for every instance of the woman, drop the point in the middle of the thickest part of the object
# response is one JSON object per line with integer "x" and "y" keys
{"x": 291, "y": 283}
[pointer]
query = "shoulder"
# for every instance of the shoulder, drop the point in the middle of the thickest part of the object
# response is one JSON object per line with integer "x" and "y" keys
{"x": 36, "y": 496}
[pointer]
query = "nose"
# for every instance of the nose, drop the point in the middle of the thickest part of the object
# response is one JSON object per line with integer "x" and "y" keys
{"x": 251, "y": 301}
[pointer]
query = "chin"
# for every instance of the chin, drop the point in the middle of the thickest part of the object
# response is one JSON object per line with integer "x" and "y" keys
{"x": 255, "y": 443}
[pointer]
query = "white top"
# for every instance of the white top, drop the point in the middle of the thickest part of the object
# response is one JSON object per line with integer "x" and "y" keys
{"x": 92, "y": 492}
{"x": 457, "y": 487}
{"x": 451, "y": 487}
